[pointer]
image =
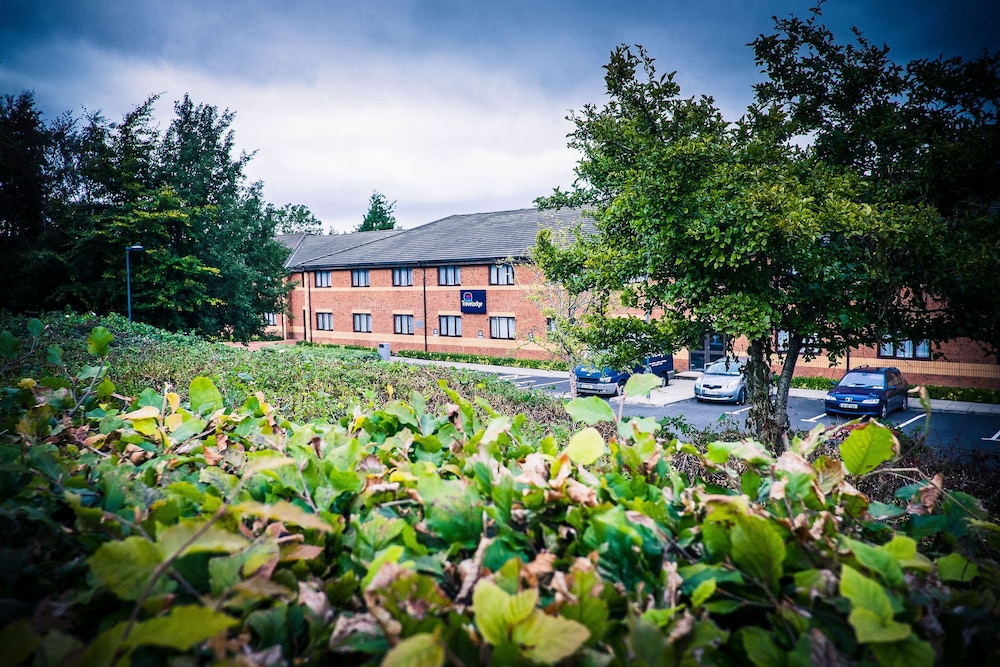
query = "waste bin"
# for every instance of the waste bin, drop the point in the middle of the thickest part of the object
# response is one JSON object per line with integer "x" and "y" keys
{"x": 383, "y": 351}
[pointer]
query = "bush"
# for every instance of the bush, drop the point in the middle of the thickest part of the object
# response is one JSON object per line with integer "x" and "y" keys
{"x": 542, "y": 364}
{"x": 143, "y": 529}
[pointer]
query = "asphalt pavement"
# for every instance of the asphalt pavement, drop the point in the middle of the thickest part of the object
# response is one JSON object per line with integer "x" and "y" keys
{"x": 681, "y": 388}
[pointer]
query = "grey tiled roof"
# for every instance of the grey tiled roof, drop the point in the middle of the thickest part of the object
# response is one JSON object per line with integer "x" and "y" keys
{"x": 460, "y": 239}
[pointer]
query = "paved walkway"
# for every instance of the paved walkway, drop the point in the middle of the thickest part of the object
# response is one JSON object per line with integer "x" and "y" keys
{"x": 681, "y": 388}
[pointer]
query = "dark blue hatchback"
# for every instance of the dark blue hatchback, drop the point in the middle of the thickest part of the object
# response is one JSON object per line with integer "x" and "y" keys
{"x": 868, "y": 390}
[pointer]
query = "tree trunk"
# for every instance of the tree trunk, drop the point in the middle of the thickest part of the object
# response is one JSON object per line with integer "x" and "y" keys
{"x": 768, "y": 418}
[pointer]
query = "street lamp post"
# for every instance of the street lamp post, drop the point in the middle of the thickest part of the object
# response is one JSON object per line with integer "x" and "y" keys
{"x": 128, "y": 276}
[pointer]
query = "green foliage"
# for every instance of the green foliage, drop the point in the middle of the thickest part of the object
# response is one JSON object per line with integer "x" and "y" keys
{"x": 543, "y": 364}
{"x": 708, "y": 225}
{"x": 160, "y": 530}
{"x": 820, "y": 383}
{"x": 379, "y": 215}
{"x": 210, "y": 262}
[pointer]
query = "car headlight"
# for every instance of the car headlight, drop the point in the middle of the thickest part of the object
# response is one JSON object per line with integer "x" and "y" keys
{"x": 605, "y": 378}
{"x": 831, "y": 397}
{"x": 871, "y": 401}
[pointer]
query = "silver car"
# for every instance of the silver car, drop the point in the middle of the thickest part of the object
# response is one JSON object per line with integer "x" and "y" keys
{"x": 722, "y": 381}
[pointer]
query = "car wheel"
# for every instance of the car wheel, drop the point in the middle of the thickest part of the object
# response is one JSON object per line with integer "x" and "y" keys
{"x": 905, "y": 405}
{"x": 885, "y": 411}
{"x": 741, "y": 398}
{"x": 620, "y": 389}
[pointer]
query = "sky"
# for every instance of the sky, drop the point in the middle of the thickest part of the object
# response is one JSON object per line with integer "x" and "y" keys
{"x": 444, "y": 106}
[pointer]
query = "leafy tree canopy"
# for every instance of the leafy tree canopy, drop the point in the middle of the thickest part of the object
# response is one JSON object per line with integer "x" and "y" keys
{"x": 380, "y": 214}
{"x": 922, "y": 133}
{"x": 87, "y": 189}
{"x": 705, "y": 225}
{"x": 294, "y": 219}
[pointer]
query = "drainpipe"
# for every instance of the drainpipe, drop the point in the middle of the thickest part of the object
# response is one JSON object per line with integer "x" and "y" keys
{"x": 425, "y": 306}
{"x": 307, "y": 311}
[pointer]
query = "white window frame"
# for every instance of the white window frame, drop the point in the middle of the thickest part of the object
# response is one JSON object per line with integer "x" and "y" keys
{"x": 270, "y": 319}
{"x": 450, "y": 325}
{"x": 402, "y": 324}
{"x": 502, "y": 274}
{"x": 360, "y": 278}
{"x": 322, "y": 279}
{"x": 362, "y": 322}
{"x": 905, "y": 349}
{"x": 324, "y": 318}
{"x": 502, "y": 327}
{"x": 450, "y": 275}
{"x": 402, "y": 277}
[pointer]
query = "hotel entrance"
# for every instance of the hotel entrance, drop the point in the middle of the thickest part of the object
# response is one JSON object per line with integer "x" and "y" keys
{"x": 712, "y": 348}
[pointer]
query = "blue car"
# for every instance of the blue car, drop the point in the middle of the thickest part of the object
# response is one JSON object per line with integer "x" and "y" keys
{"x": 591, "y": 380}
{"x": 868, "y": 390}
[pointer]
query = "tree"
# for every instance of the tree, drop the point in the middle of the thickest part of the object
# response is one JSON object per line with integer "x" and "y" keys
{"x": 28, "y": 267}
{"x": 231, "y": 234}
{"x": 379, "y": 215}
{"x": 705, "y": 225}
{"x": 564, "y": 296}
{"x": 294, "y": 219}
{"x": 923, "y": 134}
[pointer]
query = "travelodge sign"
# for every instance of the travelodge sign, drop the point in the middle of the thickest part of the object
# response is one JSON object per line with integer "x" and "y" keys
{"x": 474, "y": 301}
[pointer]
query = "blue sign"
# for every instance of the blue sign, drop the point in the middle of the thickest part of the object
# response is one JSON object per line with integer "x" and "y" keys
{"x": 474, "y": 301}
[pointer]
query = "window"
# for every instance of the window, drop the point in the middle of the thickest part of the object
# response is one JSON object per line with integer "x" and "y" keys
{"x": 502, "y": 327}
{"x": 907, "y": 349}
{"x": 363, "y": 322}
{"x": 809, "y": 346}
{"x": 449, "y": 275}
{"x": 402, "y": 324}
{"x": 450, "y": 325}
{"x": 551, "y": 324}
{"x": 322, "y": 278}
{"x": 501, "y": 274}
{"x": 270, "y": 319}
{"x": 402, "y": 277}
{"x": 324, "y": 321}
{"x": 359, "y": 278}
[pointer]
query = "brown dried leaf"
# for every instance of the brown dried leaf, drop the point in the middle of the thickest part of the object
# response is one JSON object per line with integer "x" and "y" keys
{"x": 581, "y": 493}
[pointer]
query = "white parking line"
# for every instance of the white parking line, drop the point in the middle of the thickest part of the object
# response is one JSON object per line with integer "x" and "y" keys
{"x": 816, "y": 418}
{"x": 512, "y": 377}
{"x": 736, "y": 412}
{"x": 910, "y": 421}
{"x": 995, "y": 438}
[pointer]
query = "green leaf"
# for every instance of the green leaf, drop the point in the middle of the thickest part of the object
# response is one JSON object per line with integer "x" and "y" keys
{"x": 204, "y": 396}
{"x": 703, "y": 592}
{"x": 641, "y": 384}
{"x": 548, "y": 639}
{"x": 761, "y": 649}
{"x": 489, "y": 604}
{"x": 870, "y": 628}
{"x": 590, "y": 410}
{"x": 9, "y": 345}
{"x": 17, "y": 642}
{"x": 912, "y": 652}
{"x": 867, "y": 448}
{"x": 955, "y": 567}
{"x": 214, "y": 540}
{"x": 423, "y": 650}
{"x": 864, "y": 593}
{"x": 35, "y": 327}
{"x": 125, "y": 566}
{"x": 54, "y": 355}
{"x": 758, "y": 548}
{"x": 881, "y": 511}
{"x": 586, "y": 446}
{"x": 745, "y": 450}
{"x": 99, "y": 341}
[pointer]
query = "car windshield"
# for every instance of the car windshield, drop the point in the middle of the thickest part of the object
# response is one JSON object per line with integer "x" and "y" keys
{"x": 723, "y": 368}
{"x": 871, "y": 380}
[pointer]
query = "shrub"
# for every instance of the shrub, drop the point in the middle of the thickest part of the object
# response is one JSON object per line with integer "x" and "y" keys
{"x": 141, "y": 529}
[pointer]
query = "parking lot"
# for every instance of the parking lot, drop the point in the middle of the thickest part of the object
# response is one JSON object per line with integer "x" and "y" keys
{"x": 960, "y": 428}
